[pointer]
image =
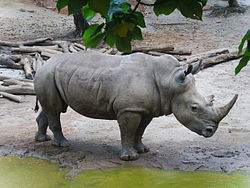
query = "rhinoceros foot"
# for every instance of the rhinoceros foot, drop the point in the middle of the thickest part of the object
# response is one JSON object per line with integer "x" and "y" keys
{"x": 129, "y": 154}
{"x": 42, "y": 137}
{"x": 61, "y": 143}
{"x": 141, "y": 148}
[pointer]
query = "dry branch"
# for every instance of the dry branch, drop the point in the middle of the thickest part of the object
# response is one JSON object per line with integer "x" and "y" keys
{"x": 27, "y": 62}
{"x": 11, "y": 97}
{"x": 37, "y": 63}
{"x": 72, "y": 49}
{"x": 27, "y": 49}
{"x": 14, "y": 81}
{"x": 79, "y": 46}
{"x": 18, "y": 90}
{"x": 25, "y": 43}
{"x": 163, "y": 48}
{"x": 8, "y": 62}
{"x": 2, "y": 78}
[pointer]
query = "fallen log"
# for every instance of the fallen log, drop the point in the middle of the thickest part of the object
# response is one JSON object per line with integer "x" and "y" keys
{"x": 2, "y": 78}
{"x": 24, "y": 43}
{"x": 28, "y": 49}
{"x": 79, "y": 46}
{"x": 8, "y": 62}
{"x": 26, "y": 62}
{"x": 18, "y": 90}
{"x": 11, "y": 97}
{"x": 208, "y": 62}
{"x": 37, "y": 63}
{"x": 13, "y": 81}
{"x": 163, "y": 48}
{"x": 208, "y": 54}
{"x": 72, "y": 49}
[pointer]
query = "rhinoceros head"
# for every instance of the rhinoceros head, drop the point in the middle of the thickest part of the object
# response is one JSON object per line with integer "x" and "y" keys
{"x": 191, "y": 109}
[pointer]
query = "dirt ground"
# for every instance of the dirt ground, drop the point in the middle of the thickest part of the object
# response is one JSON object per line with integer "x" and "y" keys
{"x": 96, "y": 143}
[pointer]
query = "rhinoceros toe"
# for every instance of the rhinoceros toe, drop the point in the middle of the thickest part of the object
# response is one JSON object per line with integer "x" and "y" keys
{"x": 141, "y": 148}
{"x": 42, "y": 137}
{"x": 129, "y": 154}
{"x": 61, "y": 143}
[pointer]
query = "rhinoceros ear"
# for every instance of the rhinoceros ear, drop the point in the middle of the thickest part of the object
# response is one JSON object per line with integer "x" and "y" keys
{"x": 196, "y": 67}
{"x": 210, "y": 100}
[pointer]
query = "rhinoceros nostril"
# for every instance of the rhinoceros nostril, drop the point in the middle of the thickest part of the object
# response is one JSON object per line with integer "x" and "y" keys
{"x": 210, "y": 130}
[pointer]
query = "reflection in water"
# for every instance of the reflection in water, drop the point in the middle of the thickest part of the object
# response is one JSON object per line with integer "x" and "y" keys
{"x": 32, "y": 172}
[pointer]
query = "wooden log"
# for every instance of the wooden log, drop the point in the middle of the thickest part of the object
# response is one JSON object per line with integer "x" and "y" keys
{"x": 77, "y": 49}
{"x": 13, "y": 81}
{"x": 27, "y": 49}
{"x": 47, "y": 54}
{"x": 208, "y": 62}
{"x": 102, "y": 50}
{"x": 18, "y": 90}
{"x": 72, "y": 49}
{"x": 161, "y": 48}
{"x": 109, "y": 51}
{"x": 26, "y": 62}
{"x": 37, "y": 63}
{"x": 62, "y": 44}
{"x": 79, "y": 46}
{"x": 180, "y": 52}
{"x": 11, "y": 97}
{"x": 8, "y": 62}
{"x": 21, "y": 80}
{"x": 24, "y": 43}
{"x": 208, "y": 54}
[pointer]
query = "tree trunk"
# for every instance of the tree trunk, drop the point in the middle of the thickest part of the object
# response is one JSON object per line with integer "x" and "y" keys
{"x": 80, "y": 23}
{"x": 233, "y": 3}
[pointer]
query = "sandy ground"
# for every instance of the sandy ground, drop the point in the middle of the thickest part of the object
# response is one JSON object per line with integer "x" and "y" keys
{"x": 96, "y": 143}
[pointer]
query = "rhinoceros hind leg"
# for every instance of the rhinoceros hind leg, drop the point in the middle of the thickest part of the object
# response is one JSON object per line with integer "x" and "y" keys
{"x": 139, "y": 146}
{"x": 55, "y": 127}
{"x": 42, "y": 123}
{"x": 128, "y": 123}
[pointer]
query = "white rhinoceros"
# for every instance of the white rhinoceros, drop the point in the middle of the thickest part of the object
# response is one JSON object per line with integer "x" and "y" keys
{"x": 131, "y": 89}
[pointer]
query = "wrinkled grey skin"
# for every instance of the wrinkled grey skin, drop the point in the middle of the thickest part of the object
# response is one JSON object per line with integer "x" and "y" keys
{"x": 131, "y": 89}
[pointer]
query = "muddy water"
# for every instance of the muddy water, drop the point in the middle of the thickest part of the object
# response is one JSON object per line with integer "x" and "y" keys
{"x": 33, "y": 172}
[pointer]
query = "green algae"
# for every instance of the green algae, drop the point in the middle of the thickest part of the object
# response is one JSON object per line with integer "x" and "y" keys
{"x": 32, "y": 172}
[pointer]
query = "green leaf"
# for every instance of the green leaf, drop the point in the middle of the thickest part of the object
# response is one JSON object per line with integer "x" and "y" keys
{"x": 244, "y": 39}
{"x": 243, "y": 62}
{"x": 110, "y": 39}
{"x": 139, "y": 19}
{"x": 191, "y": 9}
{"x": 93, "y": 36}
{"x": 123, "y": 44}
{"x": 100, "y": 6}
{"x": 118, "y": 6}
{"x": 75, "y": 5}
{"x": 122, "y": 29}
{"x": 61, "y": 4}
{"x": 87, "y": 12}
{"x": 164, "y": 7}
{"x": 136, "y": 34}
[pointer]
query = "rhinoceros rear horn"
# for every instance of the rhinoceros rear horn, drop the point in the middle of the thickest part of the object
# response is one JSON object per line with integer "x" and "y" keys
{"x": 223, "y": 111}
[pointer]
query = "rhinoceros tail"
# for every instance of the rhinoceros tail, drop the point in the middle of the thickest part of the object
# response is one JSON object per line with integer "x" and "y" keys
{"x": 37, "y": 106}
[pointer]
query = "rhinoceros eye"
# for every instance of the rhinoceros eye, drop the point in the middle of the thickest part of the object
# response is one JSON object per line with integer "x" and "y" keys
{"x": 194, "y": 107}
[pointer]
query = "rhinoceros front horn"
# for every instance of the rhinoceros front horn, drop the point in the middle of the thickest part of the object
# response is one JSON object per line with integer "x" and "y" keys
{"x": 223, "y": 111}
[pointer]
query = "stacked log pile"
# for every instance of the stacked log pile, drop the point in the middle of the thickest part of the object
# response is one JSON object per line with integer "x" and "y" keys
{"x": 30, "y": 55}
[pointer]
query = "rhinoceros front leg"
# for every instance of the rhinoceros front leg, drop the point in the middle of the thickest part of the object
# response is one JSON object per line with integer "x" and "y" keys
{"x": 128, "y": 123}
{"x": 139, "y": 146}
{"x": 55, "y": 127}
{"x": 42, "y": 123}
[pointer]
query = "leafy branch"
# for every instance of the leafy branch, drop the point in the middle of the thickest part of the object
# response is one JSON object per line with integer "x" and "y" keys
{"x": 122, "y": 24}
{"x": 246, "y": 58}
